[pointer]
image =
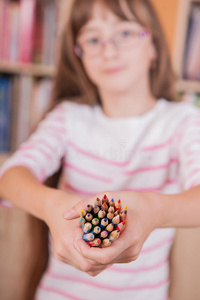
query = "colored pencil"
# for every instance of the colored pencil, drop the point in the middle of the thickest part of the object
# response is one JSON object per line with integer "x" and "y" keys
{"x": 88, "y": 217}
{"x": 97, "y": 202}
{"x": 112, "y": 202}
{"x": 105, "y": 243}
{"x": 123, "y": 216}
{"x": 111, "y": 209}
{"x": 114, "y": 235}
{"x": 116, "y": 220}
{"x": 89, "y": 208}
{"x": 110, "y": 227}
{"x": 82, "y": 213}
{"x": 96, "y": 209}
{"x": 103, "y": 234}
{"x": 117, "y": 212}
{"x": 101, "y": 214}
{"x": 110, "y": 216}
{"x": 105, "y": 199}
{"x": 104, "y": 206}
{"x": 88, "y": 237}
{"x": 81, "y": 222}
{"x": 104, "y": 223}
{"x": 118, "y": 205}
{"x": 95, "y": 221}
{"x": 121, "y": 226}
{"x": 96, "y": 230}
{"x": 95, "y": 243}
{"x": 87, "y": 227}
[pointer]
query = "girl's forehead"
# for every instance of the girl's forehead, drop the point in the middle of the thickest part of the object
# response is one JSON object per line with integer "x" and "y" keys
{"x": 102, "y": 8}
{"x": 102, "y": 13}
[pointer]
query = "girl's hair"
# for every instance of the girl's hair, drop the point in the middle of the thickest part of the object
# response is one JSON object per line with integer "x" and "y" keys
{"x": 71, "y": 82}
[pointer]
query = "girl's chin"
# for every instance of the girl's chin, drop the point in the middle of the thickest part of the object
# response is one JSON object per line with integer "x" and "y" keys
{"x": 117, "y": 87}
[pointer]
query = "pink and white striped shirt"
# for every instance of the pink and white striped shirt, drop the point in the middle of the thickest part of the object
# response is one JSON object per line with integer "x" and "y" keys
{"x": 157, "y": 151}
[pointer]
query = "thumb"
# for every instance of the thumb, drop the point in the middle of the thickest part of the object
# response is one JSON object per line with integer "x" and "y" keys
{"x": 74, "y": 212}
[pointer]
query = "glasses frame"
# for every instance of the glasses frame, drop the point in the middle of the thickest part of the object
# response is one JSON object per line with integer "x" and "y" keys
{"x": 79, "y": 52}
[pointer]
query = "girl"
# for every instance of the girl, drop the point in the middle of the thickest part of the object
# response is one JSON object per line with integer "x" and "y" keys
{"x": 116, "y": 131}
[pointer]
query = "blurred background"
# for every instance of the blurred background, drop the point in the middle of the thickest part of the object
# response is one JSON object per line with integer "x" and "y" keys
{"x": 29, "y": 41}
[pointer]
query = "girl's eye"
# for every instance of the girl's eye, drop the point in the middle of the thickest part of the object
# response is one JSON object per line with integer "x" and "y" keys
{"x": 92, "y": 41}
{"x": 125, "y": 33}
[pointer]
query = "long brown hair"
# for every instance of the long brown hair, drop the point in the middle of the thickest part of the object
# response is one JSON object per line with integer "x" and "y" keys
{"x": 71, "y": 82}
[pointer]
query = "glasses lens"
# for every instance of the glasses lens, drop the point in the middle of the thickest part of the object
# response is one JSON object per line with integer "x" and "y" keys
{"x": 126, "y": 38}
{"x": 91, "y": 46}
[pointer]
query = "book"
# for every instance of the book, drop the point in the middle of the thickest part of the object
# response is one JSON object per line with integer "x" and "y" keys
{"x": 14, "y": 31}
{"x": 191, "y": 64}
{"x": 30, "y": 100}
{"x": 38, "y": 34}
{"x": 29, "y": 30}
{"x": 26, "y": 30}
{"x": 40, "y": 102}
{"x": 23, "y": 114}
{"x": 5, "y": 110}
{"x": 5, "y": 30}
{"x": 50, "y": 21}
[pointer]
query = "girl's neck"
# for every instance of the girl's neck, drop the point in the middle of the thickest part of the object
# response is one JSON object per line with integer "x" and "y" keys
{"x": 127, "y": 104}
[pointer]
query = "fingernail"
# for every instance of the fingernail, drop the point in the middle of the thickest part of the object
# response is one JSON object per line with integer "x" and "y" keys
{"x": 69, "y": 214}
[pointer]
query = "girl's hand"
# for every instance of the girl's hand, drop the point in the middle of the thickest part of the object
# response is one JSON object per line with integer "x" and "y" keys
{"x": 62, "y": 233}
{"x": 142, "y": 218}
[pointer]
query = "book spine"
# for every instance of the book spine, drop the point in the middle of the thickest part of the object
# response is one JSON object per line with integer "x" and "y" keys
{"x": 1, "y": 30}
{"x": 191, "y": 64}
{"x": 5, "y": 106}
{"x": 5, "y": 29}
{"x": 23, "y": 118}
{"x": 38, "y": 34}
{"x": 27, "y": 24}
{"x": 14, "y": 32}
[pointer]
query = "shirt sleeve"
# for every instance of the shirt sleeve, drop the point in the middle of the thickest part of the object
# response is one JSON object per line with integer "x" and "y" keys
{"x": 44, "y": 149}
{"x": 189, "y": 151}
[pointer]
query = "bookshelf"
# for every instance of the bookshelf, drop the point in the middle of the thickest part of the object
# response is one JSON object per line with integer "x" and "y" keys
{"x": 29, "y": 37}
{"x": 41, "y": 70}
{"x": 31, "y": 69}
{"x": 181, "y": 35}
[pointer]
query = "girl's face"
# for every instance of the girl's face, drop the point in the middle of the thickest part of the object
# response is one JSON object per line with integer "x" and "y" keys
{"x": 117, "y": 54}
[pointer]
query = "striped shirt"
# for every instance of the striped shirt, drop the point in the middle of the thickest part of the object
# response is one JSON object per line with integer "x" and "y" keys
{"x": 157, "y": 151}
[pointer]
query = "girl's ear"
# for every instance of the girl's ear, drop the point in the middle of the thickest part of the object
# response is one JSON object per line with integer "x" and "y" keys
{"x": 78, "y": 51}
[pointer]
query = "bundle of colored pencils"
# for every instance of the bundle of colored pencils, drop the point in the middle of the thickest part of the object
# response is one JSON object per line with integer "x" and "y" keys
{"x": 103, "y": 222}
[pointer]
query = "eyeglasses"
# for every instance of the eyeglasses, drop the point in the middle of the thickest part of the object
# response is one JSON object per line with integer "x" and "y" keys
{"x": 121, "y": 39}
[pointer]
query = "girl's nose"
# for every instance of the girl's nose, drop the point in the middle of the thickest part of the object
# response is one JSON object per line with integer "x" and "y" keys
{"x": 109, "y": 49}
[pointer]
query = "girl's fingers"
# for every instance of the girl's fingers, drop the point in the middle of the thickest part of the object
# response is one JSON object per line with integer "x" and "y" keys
{"x": 74, "y": 212}
{"x": 99, "y": 255}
